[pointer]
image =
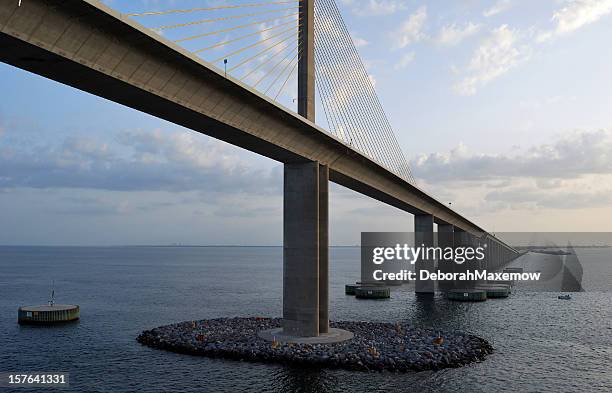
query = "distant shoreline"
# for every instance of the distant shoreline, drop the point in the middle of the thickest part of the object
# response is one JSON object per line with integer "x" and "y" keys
{"x": 153, "y": 246}
{"x": 525, "y": 248}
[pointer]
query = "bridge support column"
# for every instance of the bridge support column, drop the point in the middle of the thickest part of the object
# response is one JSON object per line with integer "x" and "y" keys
{"x": 323, "y": 249}
{"x": 490, "y": 264}
{"x": 461, "y": 240}
{"x": 446, "y": 238}
{"x": 424, "y": 236}
{"x": 301, "y": 249}
{"x": 480, "y": 241}
{"x": 305, "y": 250}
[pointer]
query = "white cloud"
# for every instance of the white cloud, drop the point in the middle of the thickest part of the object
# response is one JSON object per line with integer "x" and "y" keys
{"x": 499, "y": 7}
{"x": 571, "y": 156}
{"x": 135, "y": 161}
{"x": 372, "y": 80}
{"x": 411, "y": 30}
{"x": 358, "y": 41}
{"x": 375, "y": 7}
{"x": 496, "y": 55}
{"x": 453, "y": 34}
{"x": 572, "y": 172}
{"x": 405, "y": 61}
{"x": 576, "y": 14}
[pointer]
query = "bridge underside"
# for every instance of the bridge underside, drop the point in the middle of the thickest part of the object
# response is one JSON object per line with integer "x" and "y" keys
{"x": 86, "y": 45}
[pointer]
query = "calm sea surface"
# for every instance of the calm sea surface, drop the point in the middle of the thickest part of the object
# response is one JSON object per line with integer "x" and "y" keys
{"x": 542, "y": 344}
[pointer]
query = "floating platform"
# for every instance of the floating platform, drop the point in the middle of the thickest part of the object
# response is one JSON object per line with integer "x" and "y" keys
{"x": 372, "y": 293}
{"x": 48, "y": 314}
{"x": 467, "y": 295}
{"x": 509, "y": 283}
{"x": 371, "y": 284}
{"x": 494, "y": 291}
{"x": 349, "y": 289}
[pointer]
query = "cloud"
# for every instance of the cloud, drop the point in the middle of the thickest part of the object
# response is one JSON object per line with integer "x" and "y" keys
{"x": 375, "y": 7}
{"x": 405, "y": 61}
{"x": 576, "y": 14}
{"x": 499, "y": 7}
{"x": 573, "y": 156}
{"x": 359, "y": 42}
{"x": 497, "y": 54}
{"x": 453, "y": 34}
{"x": 520, "y": 196}
{"x": 411, "y": 31}
{"x": 572, "y": 172}
{"x": 135, "y": 161}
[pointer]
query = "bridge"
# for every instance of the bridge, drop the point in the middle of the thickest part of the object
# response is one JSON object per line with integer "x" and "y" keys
{"x": 91, "y": 47}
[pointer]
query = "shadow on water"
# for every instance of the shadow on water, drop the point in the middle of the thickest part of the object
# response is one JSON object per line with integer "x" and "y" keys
{"x": 294, "y": 379}
{"x": 572, "y": 272}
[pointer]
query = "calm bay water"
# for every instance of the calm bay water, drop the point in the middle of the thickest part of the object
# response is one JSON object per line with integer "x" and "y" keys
{"x": 542, "y": 344}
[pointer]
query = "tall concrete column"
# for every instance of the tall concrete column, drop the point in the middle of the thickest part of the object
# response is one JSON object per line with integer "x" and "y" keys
{"x": 301, "y": 249}
{"x": 480, "y": 241}
{"x": 306, "y": 63}
{"x": 323, "y": 248}
{"x": 461, "y": 240}
{"x": 446, "y": 238}
{"x": 424, "y": 236}
{"x": 490, "y": 262}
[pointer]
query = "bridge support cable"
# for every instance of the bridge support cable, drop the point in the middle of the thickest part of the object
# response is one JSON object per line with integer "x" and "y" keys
{"x": 357, "y": 79}
{"x": 258, "y": 32}
{"x": 281, "y": 73}
{"x": 336, "y": 49}
{"x": 291, "y": 46}
{"x": 262, "y": 42}
{"x": 329, "y": 78}
{"x": 336, "y": 82}
{"x": 245, "y": 39}
{"x": 405, "y": 167}
{"x": 345, "y": 89}
{"x": 282, "y": 88}
{"x": 221, "y": 7}
{"x": 273, "y": 69}
{"x": 227, "y": 30}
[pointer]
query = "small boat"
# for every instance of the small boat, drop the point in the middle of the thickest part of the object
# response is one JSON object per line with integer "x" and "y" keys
{"x": 565, "y": 297}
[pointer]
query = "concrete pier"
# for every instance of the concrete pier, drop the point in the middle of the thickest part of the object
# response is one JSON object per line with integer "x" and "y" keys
{"x": 306, "y": 250}
{"x": 424, "y": 235}
{"x": 323, "y": 249}
{"x": 446, "y": 238}
{"x": 301, "y": 249}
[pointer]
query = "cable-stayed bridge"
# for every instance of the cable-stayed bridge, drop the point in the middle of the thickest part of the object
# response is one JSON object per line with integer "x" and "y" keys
{"x": 248, "y": 73}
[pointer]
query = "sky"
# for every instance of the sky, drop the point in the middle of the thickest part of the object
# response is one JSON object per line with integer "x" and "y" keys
{"x": 501, "y": 108}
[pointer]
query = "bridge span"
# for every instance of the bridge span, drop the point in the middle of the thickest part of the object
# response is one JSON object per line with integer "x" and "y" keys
{"x": 91, "y": 47}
